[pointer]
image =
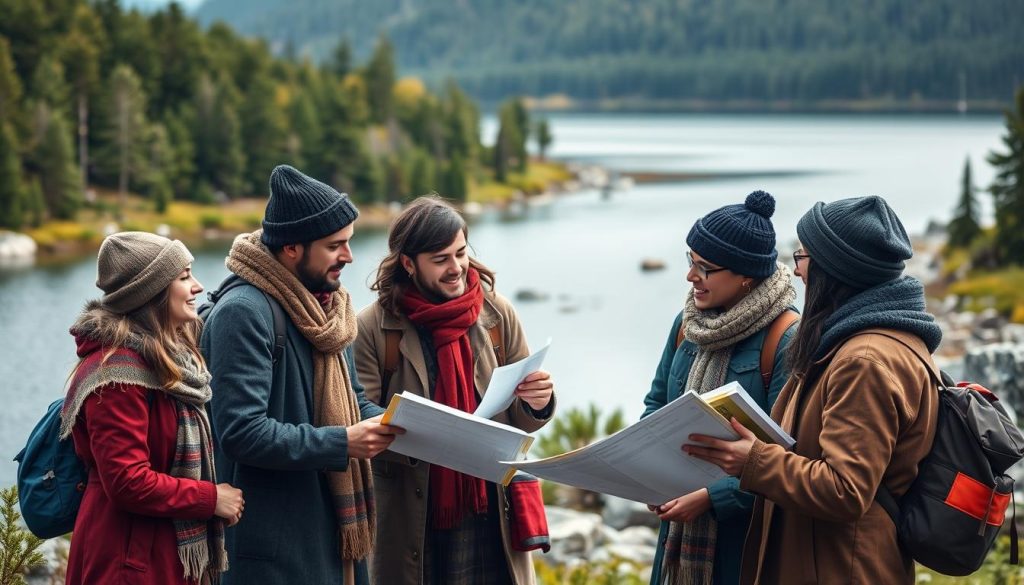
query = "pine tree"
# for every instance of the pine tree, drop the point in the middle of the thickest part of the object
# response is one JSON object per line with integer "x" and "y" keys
{"x": 159, "y": 166}
{"x": 47, "y": 84}
{"x": 80, "y": 56}
{"x": 461, "y": 123}
{"x": 963, "y": 228}
{"x": 126, "y": 131}
{"x": 10, "y": 86}
{"x": 264, "y": 129}
{"x": 18, "y": 547}
{"x": 340, "y": 62}
{"x": 220, "y": 159}
{"x": 54, "y": 158}
{"x": 380, "y": 78}
{"x": 35, "y": 205}
{"x": 454, "y": 184}
{"x": 1008, "y": 187}
{"x": 181, "y": 170}
{"x": 12, "y": 197}
{"x": 306, "y": 133}
{"x": 544, "y": 137}
{"x": 422, "y": 177}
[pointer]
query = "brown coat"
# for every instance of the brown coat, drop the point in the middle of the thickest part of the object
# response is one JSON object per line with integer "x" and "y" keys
{"x": 868, "y": 418}
{"x": 400, "y": 486}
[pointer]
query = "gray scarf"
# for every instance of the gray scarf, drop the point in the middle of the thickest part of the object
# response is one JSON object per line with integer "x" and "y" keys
{"x": 690, "y": 547}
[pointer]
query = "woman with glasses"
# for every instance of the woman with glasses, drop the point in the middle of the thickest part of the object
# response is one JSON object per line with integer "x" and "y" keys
{"x": 738, "y": 290}
{"x": 861, "y": 404}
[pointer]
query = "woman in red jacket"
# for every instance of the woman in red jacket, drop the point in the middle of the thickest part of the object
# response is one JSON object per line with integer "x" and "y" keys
{"x": 152, "y": 511}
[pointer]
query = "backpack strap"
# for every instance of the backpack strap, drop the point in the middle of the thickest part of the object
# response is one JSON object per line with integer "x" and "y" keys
{"x": 392, "y": 337}
{"x": 280, "y": 319}
{"x": 769, "y": 346}
{"x": 280, "y": 327}
{"x": 497, "y": 344}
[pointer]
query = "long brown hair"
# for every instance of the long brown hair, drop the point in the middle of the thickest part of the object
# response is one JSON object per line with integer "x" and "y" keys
{"x": 824, "y": 295}
{"x": 428, "y": 224}
{"x": 161, "y": 341}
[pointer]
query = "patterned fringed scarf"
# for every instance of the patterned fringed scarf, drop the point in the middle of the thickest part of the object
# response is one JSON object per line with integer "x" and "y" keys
{"x": 200, "y": 542}
{"x": 330, "y": 328}
{"x": 690, "y": 547}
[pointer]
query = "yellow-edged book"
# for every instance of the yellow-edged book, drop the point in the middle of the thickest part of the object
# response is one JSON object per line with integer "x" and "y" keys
{"x": 732, "y": 400}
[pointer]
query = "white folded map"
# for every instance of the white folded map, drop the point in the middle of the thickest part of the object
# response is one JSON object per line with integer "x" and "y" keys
{"x": 644, "y": 462}
{"x": 442, "y": 435}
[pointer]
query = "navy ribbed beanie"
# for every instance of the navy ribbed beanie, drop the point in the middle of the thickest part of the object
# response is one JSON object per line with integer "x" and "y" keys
{"x": 302, "y": 209}
{"x": 739, "y": 237}
{"x": 859, "y": 241}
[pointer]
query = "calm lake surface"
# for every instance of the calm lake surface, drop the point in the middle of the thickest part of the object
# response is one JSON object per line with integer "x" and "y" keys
{"x": 608, "y": 319}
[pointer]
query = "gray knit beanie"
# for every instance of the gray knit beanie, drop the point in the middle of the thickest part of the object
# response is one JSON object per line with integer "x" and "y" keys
{"x": 133, "y": 267}
{"x": 302, "y": 209}
{"x": 859, "y": 241}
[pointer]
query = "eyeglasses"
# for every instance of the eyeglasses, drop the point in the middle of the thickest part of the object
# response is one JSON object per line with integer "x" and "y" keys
{"x": 797, "y": 257}
{"x": 702, "y": 270}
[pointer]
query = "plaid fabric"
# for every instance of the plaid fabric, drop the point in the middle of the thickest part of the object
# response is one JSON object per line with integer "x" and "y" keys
{"x": 200, "y": 542}
{"x": 472, "y": 553}
{"x": 690, "y": 552}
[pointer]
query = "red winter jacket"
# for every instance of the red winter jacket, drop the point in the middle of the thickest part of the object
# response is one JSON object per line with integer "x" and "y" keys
{"x": 124, "y": 532}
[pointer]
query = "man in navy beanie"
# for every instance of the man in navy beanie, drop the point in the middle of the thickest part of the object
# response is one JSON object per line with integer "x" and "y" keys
{"x": 287, "y": 423}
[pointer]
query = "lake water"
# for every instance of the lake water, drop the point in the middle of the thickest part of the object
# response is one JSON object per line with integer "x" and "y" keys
{"x": 608, "y": 319}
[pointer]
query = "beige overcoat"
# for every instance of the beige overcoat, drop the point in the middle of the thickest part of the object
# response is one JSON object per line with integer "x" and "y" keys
{"x": 400, "y": 485}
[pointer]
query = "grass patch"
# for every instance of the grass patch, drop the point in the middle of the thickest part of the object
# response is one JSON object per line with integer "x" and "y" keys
{"x": 1002, "y": 290}
{"x": 537, "y": 178}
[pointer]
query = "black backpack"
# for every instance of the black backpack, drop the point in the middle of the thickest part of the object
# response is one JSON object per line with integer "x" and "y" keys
{"x": 949, "y": 518}
{"x": 280, "y": 320}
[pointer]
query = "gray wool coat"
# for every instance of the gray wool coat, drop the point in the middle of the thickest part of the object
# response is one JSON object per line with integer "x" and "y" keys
{"x": 267, "y": 446}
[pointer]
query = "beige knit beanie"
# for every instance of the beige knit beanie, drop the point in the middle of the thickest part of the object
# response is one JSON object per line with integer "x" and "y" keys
{"x": 133, "y": 267}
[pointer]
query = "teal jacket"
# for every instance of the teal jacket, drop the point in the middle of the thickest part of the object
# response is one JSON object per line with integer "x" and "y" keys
{"x": 730, "y": 506}
{"x": 267, "y": 446}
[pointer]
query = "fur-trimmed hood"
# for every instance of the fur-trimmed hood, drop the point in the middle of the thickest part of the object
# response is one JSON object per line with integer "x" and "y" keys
{"x": 96, "y": 328}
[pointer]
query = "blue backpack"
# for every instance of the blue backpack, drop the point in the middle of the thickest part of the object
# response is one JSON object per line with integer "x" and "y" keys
{"x": 51, "y": 478}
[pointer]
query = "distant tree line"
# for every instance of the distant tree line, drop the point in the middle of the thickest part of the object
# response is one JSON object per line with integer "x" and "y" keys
{"x": 756, "y": 50}
{"x": 92, "y": 94}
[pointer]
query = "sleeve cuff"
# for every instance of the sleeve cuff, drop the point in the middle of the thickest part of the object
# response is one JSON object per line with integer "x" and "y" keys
{"x": 208, "y": 499}
{"x": 749, "y": 474}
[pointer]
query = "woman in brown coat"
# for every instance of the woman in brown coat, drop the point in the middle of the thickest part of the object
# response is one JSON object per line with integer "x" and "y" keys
{"x": 861, "y": 404}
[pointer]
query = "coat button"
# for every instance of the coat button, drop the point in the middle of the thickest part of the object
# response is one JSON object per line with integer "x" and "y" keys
{"x": 415, "y": 554}
{"x": 419, "y": 493}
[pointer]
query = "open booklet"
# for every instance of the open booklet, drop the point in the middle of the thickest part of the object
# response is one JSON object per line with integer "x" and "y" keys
{"x": 644, "y": 462}
{"x": 442, "y": 435}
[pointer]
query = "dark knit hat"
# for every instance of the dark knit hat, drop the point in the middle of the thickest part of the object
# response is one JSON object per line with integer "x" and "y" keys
{"x": 133, "y": 267}
{"x": 302, "y": 209}
{"x": 859, "y": 241}
{"x": 739, "y": 237}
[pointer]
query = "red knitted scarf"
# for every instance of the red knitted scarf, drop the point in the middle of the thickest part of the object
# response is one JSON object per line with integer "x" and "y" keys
{"x": 451, "y": 492}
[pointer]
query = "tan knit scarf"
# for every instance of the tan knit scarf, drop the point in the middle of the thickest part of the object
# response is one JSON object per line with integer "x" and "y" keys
{"x": 330, "y": 328}
{"x": 690, "y": 546}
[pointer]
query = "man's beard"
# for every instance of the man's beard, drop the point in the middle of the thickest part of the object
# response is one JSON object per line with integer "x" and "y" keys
{"x": 434, "y": 292}
{"x": 313, "y": 281}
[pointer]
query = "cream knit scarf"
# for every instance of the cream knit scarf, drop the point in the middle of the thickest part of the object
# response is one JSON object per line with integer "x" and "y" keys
{"x": 330, "y": 329}
{"x": 690, "y": 546}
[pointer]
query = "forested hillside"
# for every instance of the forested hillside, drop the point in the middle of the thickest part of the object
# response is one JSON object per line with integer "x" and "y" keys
{"x": 757, "y": 50}
{"x": 93, "y": 95}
